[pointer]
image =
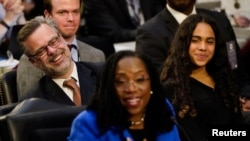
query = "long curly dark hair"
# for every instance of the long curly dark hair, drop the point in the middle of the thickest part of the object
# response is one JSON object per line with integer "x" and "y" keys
{"x": 111, "y": 113}
{"x": 178, "y": 66}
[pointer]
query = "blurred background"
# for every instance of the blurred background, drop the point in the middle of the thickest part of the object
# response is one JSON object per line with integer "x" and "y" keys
{"x": 237, "y": 11}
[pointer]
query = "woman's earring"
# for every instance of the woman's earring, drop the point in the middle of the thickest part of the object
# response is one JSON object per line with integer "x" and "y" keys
{"x": 151, "y": 92}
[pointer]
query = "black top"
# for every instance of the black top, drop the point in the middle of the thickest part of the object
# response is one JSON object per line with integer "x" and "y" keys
{"x": 211, "y": 112}
{"x": 138, "y": 134}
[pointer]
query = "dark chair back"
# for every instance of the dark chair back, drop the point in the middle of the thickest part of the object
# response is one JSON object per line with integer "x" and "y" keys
{"x": 37, "y": 119}
{"x": 14, "y": 47}
{"x": 9, "y": 87}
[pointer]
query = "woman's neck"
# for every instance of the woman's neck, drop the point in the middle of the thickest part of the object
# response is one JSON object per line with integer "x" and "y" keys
{"x": 137, "y": 123}
{"x": 202, "y": 75}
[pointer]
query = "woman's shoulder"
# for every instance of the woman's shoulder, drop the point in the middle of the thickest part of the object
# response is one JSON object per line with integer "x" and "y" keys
{"x": 86, "y": 117}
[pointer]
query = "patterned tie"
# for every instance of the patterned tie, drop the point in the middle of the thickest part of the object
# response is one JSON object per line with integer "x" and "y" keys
{"x": 71, "y": 84}
{"x": 135, "y": 12}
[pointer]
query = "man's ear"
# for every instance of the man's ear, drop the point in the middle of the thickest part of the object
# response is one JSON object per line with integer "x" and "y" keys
{"x": 46, "y": 13}
{"x": 33, "y": 62}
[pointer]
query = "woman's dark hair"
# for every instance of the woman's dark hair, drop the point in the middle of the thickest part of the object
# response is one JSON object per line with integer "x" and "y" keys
{"x": 110, "y": 111}
{"x": 178, "y": 66}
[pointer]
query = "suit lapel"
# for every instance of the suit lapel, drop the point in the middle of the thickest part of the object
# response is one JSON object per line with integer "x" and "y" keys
{"x": 123, "y": 6}
{"x": 170, "y": 21}
{"x": 86, "y": 81}
{"x": 55, "y": 93}
{"x": 149, "y": 8}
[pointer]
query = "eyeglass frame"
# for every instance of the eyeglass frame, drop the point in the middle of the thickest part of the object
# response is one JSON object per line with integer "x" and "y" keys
{"x": 137, "y": 83}
{"x": 44, "y": 49}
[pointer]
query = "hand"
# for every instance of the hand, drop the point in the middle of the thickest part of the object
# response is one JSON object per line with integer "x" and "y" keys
{"x": 14, "y": 9}
{"x": 7, "y": 4}
{"x": 241, "y": 21}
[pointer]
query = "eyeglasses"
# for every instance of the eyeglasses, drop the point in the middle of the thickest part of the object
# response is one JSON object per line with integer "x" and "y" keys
{"x": 53, "y": 43}
{"x": 122, "y": 84}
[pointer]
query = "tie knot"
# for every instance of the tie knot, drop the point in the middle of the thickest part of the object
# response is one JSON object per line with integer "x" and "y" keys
{"x": 71, "y": 46}
{"x": 70, "y": 83}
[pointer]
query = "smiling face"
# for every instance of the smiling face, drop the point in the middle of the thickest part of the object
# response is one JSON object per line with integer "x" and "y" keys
{"x": 202, "y": 45}
{"x": 133, "y": 86}
{"x": 66, "y": 14}
{"x": 56, "y": 62}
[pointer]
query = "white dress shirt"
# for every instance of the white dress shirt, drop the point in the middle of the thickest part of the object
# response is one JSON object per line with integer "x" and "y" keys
{"x": 68, "y": 91}
{"x": 180, "y": 17}
{"x": 74, "y": 51}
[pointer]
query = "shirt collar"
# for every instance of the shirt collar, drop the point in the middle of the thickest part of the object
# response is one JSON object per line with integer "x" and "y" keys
{"x": 74, "y": 42}
{"x": 180, "y": 17}
{"x": 74, "y": 74}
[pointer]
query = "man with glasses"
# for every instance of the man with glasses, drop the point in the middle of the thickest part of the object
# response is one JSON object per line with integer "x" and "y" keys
{"x": 51, "y": 54}
{"x": 66, "y": 15}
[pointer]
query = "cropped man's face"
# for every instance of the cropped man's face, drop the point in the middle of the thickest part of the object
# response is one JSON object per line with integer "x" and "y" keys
{"x": 66, "y": 14}
{"x": 181, "y": 5}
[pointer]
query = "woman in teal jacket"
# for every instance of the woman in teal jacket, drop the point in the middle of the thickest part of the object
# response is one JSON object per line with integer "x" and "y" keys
{"x": 129, "y": 104}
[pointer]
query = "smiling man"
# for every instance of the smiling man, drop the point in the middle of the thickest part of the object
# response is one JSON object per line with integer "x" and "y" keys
{"x": 66, "y": 14}
{"x": 50, "y": 53}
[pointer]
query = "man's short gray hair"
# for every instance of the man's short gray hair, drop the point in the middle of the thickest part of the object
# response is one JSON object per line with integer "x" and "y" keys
{"x": 31, "y": 26}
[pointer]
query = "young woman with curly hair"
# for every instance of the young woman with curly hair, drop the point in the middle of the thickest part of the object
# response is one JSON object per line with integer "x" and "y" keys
{"x": 198, "y": 76}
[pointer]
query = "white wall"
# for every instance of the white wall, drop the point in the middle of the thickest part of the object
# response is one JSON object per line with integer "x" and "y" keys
{"x": 198, "y": 1}
{"x": 228, "y": 5}
{"x": 208, "y": 4}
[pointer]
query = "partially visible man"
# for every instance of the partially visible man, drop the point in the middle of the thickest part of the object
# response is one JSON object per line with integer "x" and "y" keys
{"x": 118, "y": 20}
{"x": 51, "y": 54}
{"x": 66, "y": 14}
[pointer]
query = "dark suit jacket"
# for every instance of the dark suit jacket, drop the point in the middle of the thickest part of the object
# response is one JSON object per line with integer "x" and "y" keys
{"x": 154, "y": 37}
{"x": 110, "y": 18}
{"x": 48, "y": 89}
